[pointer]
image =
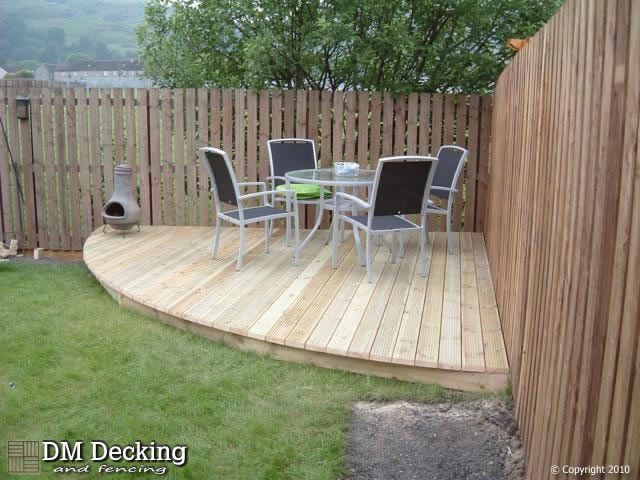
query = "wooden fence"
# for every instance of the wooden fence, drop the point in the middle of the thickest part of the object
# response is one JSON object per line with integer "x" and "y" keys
{"x": 563, "y": 236}
{"x": 66, "y": 151}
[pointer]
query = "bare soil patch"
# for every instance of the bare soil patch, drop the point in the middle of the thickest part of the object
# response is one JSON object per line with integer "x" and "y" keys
{"x": 472, "y": 440}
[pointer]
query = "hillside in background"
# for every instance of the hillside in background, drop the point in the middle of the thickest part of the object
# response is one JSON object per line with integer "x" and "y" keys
{"x": 51, "y": 31}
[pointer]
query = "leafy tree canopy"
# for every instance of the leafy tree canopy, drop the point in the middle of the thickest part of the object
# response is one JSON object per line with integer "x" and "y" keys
{"x": 399, "y": 46}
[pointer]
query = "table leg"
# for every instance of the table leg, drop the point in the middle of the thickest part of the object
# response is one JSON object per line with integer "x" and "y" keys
{"x": 318, "y": 220}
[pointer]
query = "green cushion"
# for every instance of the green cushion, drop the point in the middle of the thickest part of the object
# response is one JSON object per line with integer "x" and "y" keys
{"x": 306, "y": 191}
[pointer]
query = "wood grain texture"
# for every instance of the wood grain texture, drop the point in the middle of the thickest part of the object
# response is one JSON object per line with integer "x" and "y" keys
{"x": 158, "y": 132}
{"x": 312, "y": 307}
{"x": 561, "y": 227}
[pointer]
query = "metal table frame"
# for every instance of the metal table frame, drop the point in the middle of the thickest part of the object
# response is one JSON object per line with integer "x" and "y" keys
{"x": 326, "y": 177}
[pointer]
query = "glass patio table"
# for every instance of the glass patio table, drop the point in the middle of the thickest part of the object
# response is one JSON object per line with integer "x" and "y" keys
{"x": 326, "y": 177}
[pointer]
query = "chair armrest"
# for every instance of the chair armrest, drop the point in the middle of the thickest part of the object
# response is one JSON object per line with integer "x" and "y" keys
{"x": 353, "y": 198}
{"x": 445, "y": 189}
{"x": 278, "y": 177}
{"x": 257, "y": 194}
{"x": 266, "y": 193}
{"x": 263, "y": 185}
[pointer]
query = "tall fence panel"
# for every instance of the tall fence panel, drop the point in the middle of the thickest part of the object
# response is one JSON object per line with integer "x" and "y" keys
{"x": 563, "y": 236}
{"x": 67, "y": 148}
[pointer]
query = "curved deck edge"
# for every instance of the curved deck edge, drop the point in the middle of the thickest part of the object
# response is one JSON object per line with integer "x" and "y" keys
{"x": 458, "y": 380}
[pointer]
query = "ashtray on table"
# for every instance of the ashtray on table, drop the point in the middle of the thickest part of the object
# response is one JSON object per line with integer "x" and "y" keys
{"x": 346, "y": 169}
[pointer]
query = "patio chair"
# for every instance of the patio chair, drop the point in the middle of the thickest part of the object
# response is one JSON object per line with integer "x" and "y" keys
{"x": 401, "y": 187}
{"x": 451, "y": 158}
{"x": 226, "y": 191}
{"x": 287, "y": 154}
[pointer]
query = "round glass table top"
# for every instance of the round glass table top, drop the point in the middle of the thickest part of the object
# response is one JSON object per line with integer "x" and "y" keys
{"x": 328, "y": 177}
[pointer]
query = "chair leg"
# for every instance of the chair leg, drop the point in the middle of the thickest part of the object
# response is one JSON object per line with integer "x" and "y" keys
{"x": 423, "y": 251}
{"x": 394, "y": 253}
{"x": 241, "y": 249}
{"x": 334, "y": 241}
{"x": 216, "y": 242}
{"x": 329, "y": 231}
{"x": 266, "y": 236}
{"x": 273, "y": 202}
{"x": 296, "y": 252}
{"x": 425, "y": 227}
{"x": 449, "y": 234}
{"x": 356, "y": 236}
{"x": 368, "y": 255}
{"x": 402, "y": 244}
{"x": 288, "y": 232}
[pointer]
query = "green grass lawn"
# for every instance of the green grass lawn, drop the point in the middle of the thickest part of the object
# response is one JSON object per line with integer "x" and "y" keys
{"x": 86, "y": 369}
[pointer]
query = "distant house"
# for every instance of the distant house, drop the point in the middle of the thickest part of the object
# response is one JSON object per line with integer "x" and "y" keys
{"x": 96, "y": 73}
{"x": 44, "y": 72}
{"x": 3, "y": 72}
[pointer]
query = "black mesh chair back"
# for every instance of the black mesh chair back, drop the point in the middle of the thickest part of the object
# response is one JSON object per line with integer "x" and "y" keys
{"x": 291, "y": 154}
{"x": 401, "y": 185}
{"x": 449, "y": 165}
{"x": 223, "y": 178}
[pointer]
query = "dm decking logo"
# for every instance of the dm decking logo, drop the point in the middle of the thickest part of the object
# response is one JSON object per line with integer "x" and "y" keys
{"x": 24, "y": 457}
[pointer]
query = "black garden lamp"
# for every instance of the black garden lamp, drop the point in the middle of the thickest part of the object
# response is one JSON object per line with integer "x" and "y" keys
{"x": 22, "y": 107}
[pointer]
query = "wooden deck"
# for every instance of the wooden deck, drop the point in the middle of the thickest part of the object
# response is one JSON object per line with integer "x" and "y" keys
{"x": 443, "y": 328}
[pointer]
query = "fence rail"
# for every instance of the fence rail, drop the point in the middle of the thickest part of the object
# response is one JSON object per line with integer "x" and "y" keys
{"x": 563, "y": 236}
{"x": 74, "y": 137}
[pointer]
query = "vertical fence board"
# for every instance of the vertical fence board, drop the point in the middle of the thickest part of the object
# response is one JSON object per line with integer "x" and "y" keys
{"x": 168, "y": 158}
{"x": 363, "y": 129}
{"x": 350, "y": 127}
{"x": 179, "y": 145}
{"x": 238, "y": 157}
{"x": 118, "y": 126}
{"x": 8, "y": 213}
{"x": 399, "y": 139}
{"x": 325, "y": 142}
{"x": 472, "y": 162}
{"x": 53, "y": 234}
{"x": 252, "y": 140}
{"x": 338, "y": 126}
{"x": 190, "y": 156}
{"x": 155, "y": 165}
{"x": 263, "y": 136}
{"x": 424, "y": 130}
{"x": 83, "y": 160}
{"x": 17, "y": 188}
{"x": 276, "y": 114}
{"x": 61, "y": 167}
{"x": 145, "y": 166}
{"x": 461, "y": 141}
{"x": 73, "y": 183}
{"x": 289, "y": 100}
{"x": 38, "y": 166}
{"x": 374, "y": 129}
{"x": 412, "y": 124}
{"x": 96, "y": 157}
{"x": 203, "y": 141}
{"x": 107, "y": 142}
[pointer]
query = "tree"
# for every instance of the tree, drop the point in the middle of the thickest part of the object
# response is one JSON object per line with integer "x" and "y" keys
{"x": 20, "y": 74}
{"x": 400, "y": 46}
{"x": 77, "y": 57}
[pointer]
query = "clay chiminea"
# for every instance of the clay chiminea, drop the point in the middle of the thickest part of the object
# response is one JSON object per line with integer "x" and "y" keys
{"x": 122, "y": 210}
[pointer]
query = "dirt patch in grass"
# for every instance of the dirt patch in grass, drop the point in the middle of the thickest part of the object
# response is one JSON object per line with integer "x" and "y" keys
{"x": 49, "y": 257}
{"x": 472, "y": 440}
